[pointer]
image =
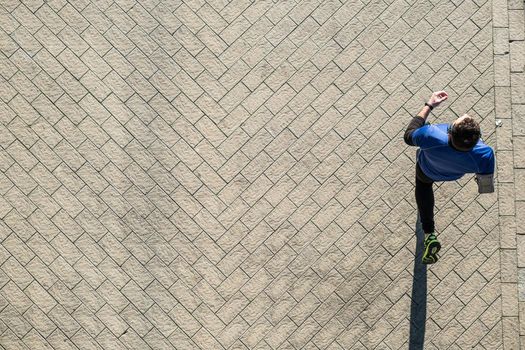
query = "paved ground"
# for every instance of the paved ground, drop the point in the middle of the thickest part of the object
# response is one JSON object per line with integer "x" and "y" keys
{"x": 509, "y": 64}
{"x": 232, "y": 175}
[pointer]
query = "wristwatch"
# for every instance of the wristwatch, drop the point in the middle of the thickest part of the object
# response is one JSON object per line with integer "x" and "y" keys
{"x": 429, "y": 106}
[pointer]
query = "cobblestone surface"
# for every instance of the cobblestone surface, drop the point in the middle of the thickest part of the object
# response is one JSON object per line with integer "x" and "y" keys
{"x": 232, "y": 175}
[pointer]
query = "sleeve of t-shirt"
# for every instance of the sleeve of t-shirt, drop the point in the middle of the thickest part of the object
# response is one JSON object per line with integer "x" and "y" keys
{"x": 421, "y": 136}
{"x": 414, "y": 124}
{"x": 488, "y": 163}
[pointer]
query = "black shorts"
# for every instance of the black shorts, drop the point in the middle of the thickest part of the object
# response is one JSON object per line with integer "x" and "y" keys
{"x": 420, "y": 175}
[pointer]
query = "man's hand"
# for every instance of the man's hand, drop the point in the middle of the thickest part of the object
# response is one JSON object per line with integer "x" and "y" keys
{"x": 437, "y": 97}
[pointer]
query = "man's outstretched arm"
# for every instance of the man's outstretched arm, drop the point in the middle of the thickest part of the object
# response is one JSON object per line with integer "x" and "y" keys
{"x": 416, "y": 123}
{"x": 485, "y": 178}
{"x": 420, "y": 119}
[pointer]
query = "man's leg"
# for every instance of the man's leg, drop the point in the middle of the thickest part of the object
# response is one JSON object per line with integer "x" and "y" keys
{"x": 425, "y": 205}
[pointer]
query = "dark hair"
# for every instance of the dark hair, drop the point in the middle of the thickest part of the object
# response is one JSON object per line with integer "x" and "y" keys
{"x": 466, "y": 133}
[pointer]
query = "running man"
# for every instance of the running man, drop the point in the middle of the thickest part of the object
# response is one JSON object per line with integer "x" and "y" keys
{"x": 446, "y": 153}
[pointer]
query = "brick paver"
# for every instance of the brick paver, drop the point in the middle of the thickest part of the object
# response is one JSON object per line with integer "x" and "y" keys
{"x": 509, "y": 59}
{"x": 232, "y": 175}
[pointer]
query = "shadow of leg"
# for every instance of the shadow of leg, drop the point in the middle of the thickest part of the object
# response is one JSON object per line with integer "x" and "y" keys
{"x": 418, "y": 307}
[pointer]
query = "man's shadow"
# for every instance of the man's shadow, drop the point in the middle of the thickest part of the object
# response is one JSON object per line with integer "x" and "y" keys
{"x": 418, "y": 307}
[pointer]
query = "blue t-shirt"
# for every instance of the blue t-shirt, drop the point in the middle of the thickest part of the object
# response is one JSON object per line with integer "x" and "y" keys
{"x": 440, "y": 162}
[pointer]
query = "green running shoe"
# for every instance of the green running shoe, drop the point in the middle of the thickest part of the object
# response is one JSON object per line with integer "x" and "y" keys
{"x": 432, "y": 247}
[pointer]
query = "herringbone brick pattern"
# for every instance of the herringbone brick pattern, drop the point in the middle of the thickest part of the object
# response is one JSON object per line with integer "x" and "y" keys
{"x": 232, "y": 175}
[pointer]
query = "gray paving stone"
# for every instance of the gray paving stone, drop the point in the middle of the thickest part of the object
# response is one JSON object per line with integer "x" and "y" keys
{"x": 232, "y": 175}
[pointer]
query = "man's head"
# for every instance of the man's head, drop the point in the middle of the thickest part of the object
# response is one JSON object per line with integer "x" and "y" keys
{"x": 464, "y": 132}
